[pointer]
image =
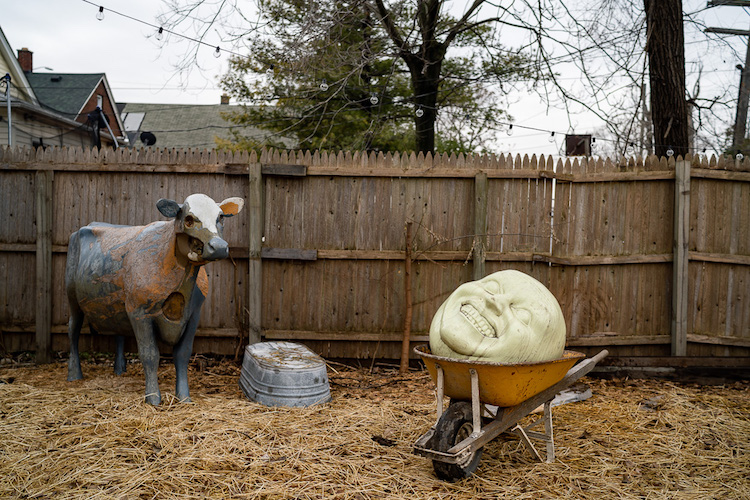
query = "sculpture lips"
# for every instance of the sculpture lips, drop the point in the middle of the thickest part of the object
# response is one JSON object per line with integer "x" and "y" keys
{"x": 478, "y": 321}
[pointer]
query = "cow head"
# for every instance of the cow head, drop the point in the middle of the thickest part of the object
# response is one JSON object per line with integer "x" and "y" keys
{"x": 199, "y": 223}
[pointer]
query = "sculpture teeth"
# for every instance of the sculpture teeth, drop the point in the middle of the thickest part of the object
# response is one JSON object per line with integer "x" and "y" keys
{"x": 477, "y": 321}
{"x": 193, "y": 256}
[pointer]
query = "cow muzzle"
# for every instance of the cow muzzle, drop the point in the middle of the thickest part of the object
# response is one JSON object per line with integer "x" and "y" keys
{"x": 215, "y": 249}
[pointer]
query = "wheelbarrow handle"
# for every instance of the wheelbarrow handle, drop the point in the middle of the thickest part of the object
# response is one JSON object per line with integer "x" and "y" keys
{"x": 602, "y": 354}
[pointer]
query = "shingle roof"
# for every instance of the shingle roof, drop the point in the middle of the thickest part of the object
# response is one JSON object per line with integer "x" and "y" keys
{"x": 182, "y": 125}
{"x": 64, "y": 93}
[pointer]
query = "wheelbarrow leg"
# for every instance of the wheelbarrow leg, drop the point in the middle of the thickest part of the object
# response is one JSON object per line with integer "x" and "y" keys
{"x": 526, "y": 434}
{"x": 476, "y": 404}
{"x": 548, "y": 431}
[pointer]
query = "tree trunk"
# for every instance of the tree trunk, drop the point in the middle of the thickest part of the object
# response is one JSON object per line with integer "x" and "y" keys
{"x": 425, "y": 77}
{"x": 665, "y": 45}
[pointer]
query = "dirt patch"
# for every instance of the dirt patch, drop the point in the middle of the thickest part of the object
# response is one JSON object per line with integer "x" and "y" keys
{"x": 96, "y": 438}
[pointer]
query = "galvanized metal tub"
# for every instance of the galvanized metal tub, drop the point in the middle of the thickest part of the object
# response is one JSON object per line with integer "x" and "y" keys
{"x": 284, "y": 374}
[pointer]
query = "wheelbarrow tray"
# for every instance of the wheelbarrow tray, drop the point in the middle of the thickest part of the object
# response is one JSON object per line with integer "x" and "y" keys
{"x": 500, "y": 384}
{"x": 505, "y": 417}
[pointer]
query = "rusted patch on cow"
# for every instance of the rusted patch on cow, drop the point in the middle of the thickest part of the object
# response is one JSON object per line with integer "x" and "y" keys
{"x": 174, "y": 306}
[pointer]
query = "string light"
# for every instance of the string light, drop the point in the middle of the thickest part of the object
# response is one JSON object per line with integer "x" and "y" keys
{"x": 324, "y": 85}
{"x": 159, "y": 34}
{"x": 217, "y": 52}
{"x": 510, "y": 130}
{"x": 374, "y": 100}
{"x": 670, "y": 151}
{"x": 269, "y": 71}
{"x": 419, "y": 112}
{"x": 593, "y": 143}
{"x": 740, "y": 156}
{"x": 551, "y": 137}
{"x": 100, "y": 16}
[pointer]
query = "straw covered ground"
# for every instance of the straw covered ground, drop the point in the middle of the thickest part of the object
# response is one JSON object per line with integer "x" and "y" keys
{"x": 96, "y": 438}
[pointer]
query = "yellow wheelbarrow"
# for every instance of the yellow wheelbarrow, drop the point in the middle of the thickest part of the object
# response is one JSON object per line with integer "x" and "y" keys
{"x": 502, "y": 393}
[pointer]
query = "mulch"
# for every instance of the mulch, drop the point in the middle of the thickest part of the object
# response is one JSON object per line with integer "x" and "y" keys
{"x": 97, "y": 438}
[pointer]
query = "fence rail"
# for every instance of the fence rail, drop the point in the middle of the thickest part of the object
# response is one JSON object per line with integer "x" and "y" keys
{"x": 649, "y": 257}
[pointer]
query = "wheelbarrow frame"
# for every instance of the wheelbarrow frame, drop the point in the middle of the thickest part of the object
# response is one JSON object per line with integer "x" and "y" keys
{"x": 503, "y": 418}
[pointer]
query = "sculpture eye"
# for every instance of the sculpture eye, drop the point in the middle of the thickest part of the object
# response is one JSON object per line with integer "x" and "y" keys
{"x": 189, "y": 221}
{"x": 220, "y": 219}
{"x": 523, "y": 315}
{"x": 492, "y": 288}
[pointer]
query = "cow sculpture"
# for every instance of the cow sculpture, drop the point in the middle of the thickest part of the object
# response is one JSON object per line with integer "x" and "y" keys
{"x": 147, "y": 281}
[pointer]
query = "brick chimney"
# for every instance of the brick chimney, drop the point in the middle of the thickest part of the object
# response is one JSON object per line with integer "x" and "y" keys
{"x": 224, "y": 99}
{"x": 26, "y": 59}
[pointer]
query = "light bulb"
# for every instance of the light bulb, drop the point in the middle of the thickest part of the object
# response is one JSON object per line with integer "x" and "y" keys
{"x": 374, "y": 100}
{"x": 100, "y": 14}
{"x": 217, "y": 52}
{"x": 419, "y": 112}
{"x": 324, "y": 85}
{"x": 510, "y": 130}
{"x": 740, "y": 156}
{"x": 670, "y": 151}
{"x": 159, "y": 34}
{"x": 593, "y": 143}
{"x": 269, "y": 71}
{"x": 551, "y": 137}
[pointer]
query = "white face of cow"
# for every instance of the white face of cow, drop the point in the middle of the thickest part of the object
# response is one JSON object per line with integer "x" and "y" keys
{"x": 201, "y": 220}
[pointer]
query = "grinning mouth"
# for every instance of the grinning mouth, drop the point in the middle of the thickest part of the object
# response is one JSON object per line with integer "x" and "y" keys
{"x": 478, "y": 321}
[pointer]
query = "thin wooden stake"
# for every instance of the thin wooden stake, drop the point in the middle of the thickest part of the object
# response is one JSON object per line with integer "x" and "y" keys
{"x": 407, "y": 299}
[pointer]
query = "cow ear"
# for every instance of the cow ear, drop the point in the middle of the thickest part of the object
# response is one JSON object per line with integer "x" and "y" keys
{"x": 231, "y": 206}
{"x": 168, "y": 208}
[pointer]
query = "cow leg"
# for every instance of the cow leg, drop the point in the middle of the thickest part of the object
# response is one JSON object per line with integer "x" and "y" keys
{"x": 148, "y": 352}
{"x": 120, "y": 364}
{"x": 74, "y": 331}
{"x": 181, "y": 355}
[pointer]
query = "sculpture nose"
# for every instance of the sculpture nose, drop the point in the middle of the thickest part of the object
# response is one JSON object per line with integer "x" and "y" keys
{"x": 216, "y": 249}
{"x": 499, "y": 302}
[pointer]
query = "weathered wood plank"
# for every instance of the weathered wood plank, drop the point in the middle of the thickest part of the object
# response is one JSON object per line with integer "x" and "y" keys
{"x": 288, "y": 254}
{"x": 43, "y": 319}
{"x": 680, "y": 259}
{"x": 255, "y": 203}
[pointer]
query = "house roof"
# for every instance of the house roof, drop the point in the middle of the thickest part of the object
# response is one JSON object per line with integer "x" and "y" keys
{"x": 64, "y": 93}
{"x": 17, "y": 77}
{"x": 181, "y": 125}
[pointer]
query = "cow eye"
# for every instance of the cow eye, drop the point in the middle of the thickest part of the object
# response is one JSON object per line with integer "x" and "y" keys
{"x": 189, "y": 221}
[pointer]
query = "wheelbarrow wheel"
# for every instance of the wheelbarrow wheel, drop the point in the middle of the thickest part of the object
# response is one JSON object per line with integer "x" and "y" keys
{"x": 455, "y": 425}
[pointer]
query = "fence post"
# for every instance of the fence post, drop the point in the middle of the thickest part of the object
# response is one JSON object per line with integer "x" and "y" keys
{"x": 480, "y": 224}
{"x": 43, "y": 321}
{"x": 680, "y": 258}
{"x": 255, "y": 244}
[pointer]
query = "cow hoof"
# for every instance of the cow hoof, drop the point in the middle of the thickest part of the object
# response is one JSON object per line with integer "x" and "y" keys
{"x": 153, "y": 399}
{"x": 74, "y": 376}
{"x": 119, "y": 370}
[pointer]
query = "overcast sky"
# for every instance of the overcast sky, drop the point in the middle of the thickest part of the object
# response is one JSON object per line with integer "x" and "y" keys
{"x": 66, "y": 36}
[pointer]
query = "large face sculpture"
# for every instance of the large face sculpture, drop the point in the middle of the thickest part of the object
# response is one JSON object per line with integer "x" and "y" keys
{"x": 506, "y": 317}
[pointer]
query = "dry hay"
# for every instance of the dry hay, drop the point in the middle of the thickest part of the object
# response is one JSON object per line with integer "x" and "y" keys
{"x": 96, "y": 438}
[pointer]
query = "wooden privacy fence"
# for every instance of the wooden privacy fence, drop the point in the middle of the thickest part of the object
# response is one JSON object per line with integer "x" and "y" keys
{"x": 650, "y": 258}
